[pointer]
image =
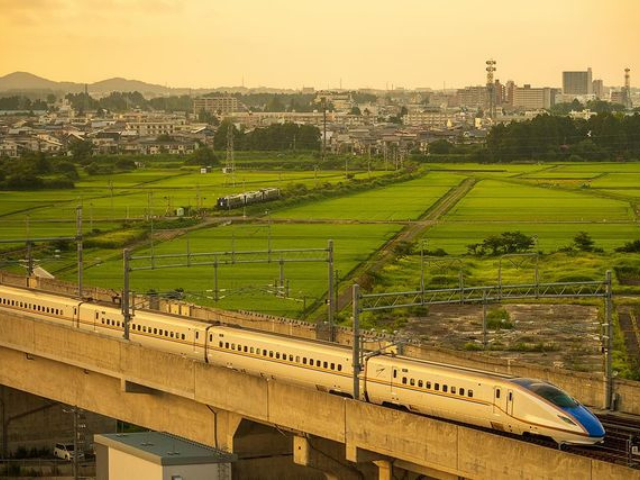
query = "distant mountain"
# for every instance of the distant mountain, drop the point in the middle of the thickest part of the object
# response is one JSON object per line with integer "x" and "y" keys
{"x": 22, "y": 81}
{"x": 27, "y": 81}
{"x": 124, "y": 85}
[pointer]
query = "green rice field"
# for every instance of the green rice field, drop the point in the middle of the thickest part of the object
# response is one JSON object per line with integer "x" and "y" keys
{"x": 400, "y": 201}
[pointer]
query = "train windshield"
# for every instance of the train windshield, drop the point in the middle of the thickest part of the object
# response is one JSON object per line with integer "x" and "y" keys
{"x": 548, "y": 392}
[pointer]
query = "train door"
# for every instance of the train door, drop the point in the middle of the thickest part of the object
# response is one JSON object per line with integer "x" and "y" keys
{"x": 395, "y": 379}
{"x": 499, "y": 406}
{"x": 509, "y": 400}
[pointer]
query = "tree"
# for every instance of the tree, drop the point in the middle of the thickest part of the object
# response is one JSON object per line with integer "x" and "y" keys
{"x": 220, "y": 137}
{"x": 81, "y": 150}
{"x": 442, "y": 147}
{"x": 584, "y": 242}
{"x": 355, "y": 111}
{"x": 204, "y": 156}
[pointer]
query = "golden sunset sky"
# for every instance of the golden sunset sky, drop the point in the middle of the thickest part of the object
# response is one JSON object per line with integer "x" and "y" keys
{"x": 295, "y": 43}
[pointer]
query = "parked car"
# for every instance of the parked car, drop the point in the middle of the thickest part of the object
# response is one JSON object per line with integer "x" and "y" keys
{"x": 65, "y": 451}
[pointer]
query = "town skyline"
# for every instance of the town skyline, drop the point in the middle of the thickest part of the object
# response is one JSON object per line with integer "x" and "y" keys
{"x": 287, "y": 45}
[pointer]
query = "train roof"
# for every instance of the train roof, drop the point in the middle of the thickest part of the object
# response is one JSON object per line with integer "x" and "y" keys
{"x": 448, "y": 367}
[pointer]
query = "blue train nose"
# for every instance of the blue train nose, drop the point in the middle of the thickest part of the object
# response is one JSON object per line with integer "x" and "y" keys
{"x": 588, "y": 420}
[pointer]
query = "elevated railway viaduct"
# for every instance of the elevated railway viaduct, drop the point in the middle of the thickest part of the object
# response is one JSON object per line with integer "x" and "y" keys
{"x": 337, "y": 437}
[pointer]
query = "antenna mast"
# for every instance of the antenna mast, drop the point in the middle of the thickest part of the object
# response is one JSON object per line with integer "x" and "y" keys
{"x": 627, "y": 89}
{"x": 491, "y": 67}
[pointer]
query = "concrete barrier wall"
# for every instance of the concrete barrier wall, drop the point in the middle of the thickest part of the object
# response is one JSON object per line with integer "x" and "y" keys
{"x": 186, "y": 389}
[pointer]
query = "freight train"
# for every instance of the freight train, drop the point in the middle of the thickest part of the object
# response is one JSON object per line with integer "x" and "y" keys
{"x": 522, "y": 406}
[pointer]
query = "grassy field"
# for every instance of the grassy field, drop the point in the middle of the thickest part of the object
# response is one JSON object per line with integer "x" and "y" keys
{"x": 500, "y": 201}
{"x": 454, "y": 237}
{"x": 400, "y": 201}
{"x": 137, "y": 195}
{"x": 494, "y": 201}
{"x": 249, "y": 286}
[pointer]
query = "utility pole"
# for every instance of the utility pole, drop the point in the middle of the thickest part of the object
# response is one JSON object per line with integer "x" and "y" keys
{"x": 231, "y": 162}
{"x": 324, "y": 127}
{"x": 79, "y": 248}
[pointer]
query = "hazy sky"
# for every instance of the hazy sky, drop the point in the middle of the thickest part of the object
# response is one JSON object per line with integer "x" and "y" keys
{"x": 295, "y": 43}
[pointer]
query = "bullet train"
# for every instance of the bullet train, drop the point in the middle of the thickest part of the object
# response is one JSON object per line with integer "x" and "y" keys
{"x": 520, "y": 406}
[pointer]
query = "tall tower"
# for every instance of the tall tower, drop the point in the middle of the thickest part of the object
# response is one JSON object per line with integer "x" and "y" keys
{"x": 626, "y": 96}
{"x": 491, "y": 67}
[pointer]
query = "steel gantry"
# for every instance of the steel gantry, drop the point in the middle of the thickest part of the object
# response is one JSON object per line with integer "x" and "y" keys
{"x": 232, "y": 257}
{"x": 420, "y": 298}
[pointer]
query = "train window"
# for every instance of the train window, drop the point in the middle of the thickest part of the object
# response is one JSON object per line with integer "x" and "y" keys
{"x": 420, "y": 383}
{"x": 339, "y": 367}
{"x": 251, "y": 350}
{"x": 233, "y": 346}
{"x": 412, "y": 382}
{"x": 497, "y": 393}
{"x": 220, "y": 344}
{"x": 278, "y": 355}
{"x": 226, "y": 344}
{"x": 290, "y": 358}
{"x": 118, "y": 324}
{"x": 108, "y": 321}
{"x": 510, "y": 396}
{"x": 461, "y": 392}
{"x": 297, "y": 359}
{"x": 325, "y": 365}
{"x": 404, "y": 380}
{"x": 436, "y": 386}
{"x": 171, "y": 334}
{"x": 155, "y": 331}
{"x": 183, "y": 336}
{"x": 395, "y": 373}
{"x": 470, "y": 394}
{"x": 333, "y": 366}
{"x": 197, "y": 335}
{"x": 429, "y": 385}
{"x": 211, "y": 339}
{"x": 144, "y": 328}
{"x": 246, "y": 349}
{"x": 304, "y": 360}
{"x": 103, "y": 321}
{"x": 270, "y": 353}
{"x": 444, "y": 388}
{"x": 453, "y": 389}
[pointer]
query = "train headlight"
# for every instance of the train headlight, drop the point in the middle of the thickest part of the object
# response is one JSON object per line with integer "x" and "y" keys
{"x": 567, "y": 420}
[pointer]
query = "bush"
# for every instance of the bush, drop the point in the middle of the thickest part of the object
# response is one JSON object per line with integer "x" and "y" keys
{"x": 498, "y": 319}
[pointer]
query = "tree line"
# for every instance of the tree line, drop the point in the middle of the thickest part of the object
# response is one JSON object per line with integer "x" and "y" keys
{"x": 606, "y": 136}
{"x": 287, "y": 136}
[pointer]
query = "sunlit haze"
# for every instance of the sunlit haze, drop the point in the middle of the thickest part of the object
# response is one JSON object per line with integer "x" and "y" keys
{"x": 294, "y": 43}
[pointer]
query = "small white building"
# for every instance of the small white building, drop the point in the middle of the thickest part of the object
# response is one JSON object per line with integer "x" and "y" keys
{"x": 158, "y": 456}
